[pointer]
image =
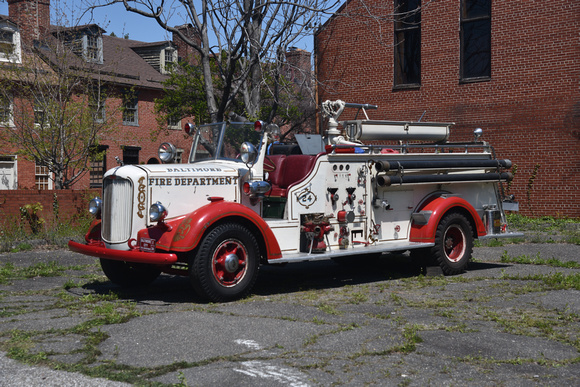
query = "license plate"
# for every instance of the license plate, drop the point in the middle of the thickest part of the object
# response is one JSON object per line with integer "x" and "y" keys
{"x": 147, "y": 245}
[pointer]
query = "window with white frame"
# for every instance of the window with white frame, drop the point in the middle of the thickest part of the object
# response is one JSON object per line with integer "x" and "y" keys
{"x": 93, "y": 48}
{"x": 10, "y": 50}
{"x": 6, "y": 112}
{"x": 42, "y": 177}
{"x": 97, "y": 98}
{"x": 173, "y": 122}
{"x": 130, "y": 109}
{"x": 168, "y": 58}
{"x": 40, "y": 118}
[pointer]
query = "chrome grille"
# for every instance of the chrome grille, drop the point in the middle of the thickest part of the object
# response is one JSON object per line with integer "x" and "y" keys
{"x": 117, "y": 209}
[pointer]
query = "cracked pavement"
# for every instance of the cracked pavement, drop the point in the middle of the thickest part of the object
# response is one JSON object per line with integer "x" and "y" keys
{"x": 373, "y": 322}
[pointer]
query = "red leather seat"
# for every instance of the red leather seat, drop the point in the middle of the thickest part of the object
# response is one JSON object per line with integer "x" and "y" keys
{"x": 289, "y": 170}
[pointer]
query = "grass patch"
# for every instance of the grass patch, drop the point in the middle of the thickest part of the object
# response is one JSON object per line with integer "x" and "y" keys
{"x": 329, "y": 309}
{"x": 537, "y": 260}
{"x": 556, "y": 281}
{"x": 10, "y": 272}
{"x": 542, "y": 223}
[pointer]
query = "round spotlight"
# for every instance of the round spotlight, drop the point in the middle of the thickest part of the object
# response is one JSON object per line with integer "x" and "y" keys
{"x": 167, "y": 152}
{"x": 95, "y": 206}
{"x": 157, "y": 212}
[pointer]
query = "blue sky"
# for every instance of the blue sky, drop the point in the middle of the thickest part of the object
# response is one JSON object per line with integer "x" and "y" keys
{"x": 116, "y": 19}
{"x": 112, "y": 19}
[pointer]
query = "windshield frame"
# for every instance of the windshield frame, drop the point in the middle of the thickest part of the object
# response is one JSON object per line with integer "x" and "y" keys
{"x": 196, "y": 146}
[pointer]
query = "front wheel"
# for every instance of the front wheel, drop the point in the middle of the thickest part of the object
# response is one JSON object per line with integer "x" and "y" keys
{"x": 226, "y": 265}
{"x": 453, "y": 243}
{"x": 127, "y": 274}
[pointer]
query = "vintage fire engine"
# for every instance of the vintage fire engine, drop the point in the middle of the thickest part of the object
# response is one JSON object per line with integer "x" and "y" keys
{"x": 242, "y": 200}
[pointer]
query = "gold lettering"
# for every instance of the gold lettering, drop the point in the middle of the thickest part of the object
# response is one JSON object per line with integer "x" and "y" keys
{"x": 141, "y": 197}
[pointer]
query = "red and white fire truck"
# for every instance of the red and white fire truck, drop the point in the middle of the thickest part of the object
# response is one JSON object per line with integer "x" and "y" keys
{"x": 243, "y": 200}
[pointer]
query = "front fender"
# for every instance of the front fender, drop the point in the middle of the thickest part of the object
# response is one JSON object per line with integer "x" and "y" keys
{"x": 439, "y": 206}
{"x": 184, "y": 233}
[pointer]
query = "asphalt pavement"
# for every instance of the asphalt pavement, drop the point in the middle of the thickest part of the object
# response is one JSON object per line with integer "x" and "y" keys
{"x": 368, "y": 322}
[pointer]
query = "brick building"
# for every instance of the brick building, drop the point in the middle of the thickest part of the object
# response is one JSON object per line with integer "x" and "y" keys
{"x": 509, "y": 67}
{"x": 132, "y": 71}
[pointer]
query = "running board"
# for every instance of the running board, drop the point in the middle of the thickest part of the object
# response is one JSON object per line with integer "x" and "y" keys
{"x": 351, "y": 251}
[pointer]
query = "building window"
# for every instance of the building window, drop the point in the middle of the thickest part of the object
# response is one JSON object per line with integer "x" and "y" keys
{"x": 93, "y": 51}
{"x": 178, "y": 156}
{"x": 6, "y": 41}
{"x": 130, "y": 109}
{"x": 131, "y": 154}
{"x": 6, "y": 112}
{"x": 42, "y": 177}
{"x": 169, "y": 58}
{"x": 475, "y": 40}
{"x": 40, "y": 118}
{"x": 173, "y": 122}
{"x": 98, "y": 165}
{"x": 407, "y": 43}
{"x": 9, "y": 43}
{"x": 97, "y": 99}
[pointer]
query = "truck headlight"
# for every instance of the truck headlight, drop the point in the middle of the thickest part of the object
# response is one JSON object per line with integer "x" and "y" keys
{"x": 157, "y": 212}
{"x": 95, "y": 206}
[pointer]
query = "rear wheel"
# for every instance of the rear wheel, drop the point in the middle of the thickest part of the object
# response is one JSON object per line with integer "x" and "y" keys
{"x": 453, "y": 243}
{"x": 128, "y": 274}
{"x": 226, "y": 265}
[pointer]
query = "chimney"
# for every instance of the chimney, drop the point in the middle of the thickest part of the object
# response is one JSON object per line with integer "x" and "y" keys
{"x": 184, "y": 50}
{"x": 31, "y": 16}
{"x": 298, "y": 66}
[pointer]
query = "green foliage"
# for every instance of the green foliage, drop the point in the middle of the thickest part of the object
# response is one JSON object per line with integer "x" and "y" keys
{"x": 10, "y": 272}
{"x": 15, "y": 236}
{"x": 29, "y": 213}
{"x": 184, "y": 96}
{"x": 542, "y": 223}
{"x": 530, "y": 185}
{"x": 537, "y": 260}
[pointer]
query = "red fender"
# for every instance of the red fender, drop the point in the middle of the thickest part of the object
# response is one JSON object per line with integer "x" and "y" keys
{"x": 184, "y": 233}
{"x": 94, "y": 232}
{"x": 439, "y": 206}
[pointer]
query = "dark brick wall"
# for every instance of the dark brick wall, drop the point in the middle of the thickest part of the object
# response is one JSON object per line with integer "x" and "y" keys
{"x": 529, "y": 109}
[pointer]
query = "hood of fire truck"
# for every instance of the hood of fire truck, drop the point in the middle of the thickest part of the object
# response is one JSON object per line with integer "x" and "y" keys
{"x": 181, "y": 188}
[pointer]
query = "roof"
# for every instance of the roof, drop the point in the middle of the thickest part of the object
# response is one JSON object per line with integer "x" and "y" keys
{"x": 121, "y": 64}
{"x": 120, "y": 58}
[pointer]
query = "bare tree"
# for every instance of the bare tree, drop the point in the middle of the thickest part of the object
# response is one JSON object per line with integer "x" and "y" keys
{"x": 240, "y": 35}
{"x": 56, "y": 114}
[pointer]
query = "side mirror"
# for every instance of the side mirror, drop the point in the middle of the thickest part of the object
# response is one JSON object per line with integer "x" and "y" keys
{"x": 248, "y": 153}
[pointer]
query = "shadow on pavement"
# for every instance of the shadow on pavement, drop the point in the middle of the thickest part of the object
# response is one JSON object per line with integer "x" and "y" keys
{"x": 285, "y": 278}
